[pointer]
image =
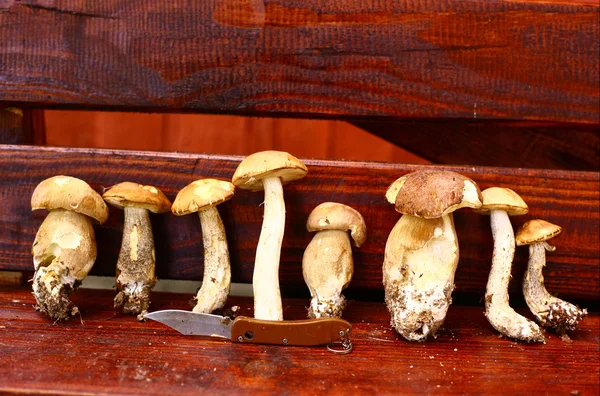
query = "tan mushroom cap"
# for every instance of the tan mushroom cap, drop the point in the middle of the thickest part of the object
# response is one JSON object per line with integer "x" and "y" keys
{"x": 337, "y": 216}
{"x": 133, "y": 195}
{"x": 201, "y": 194}
{"x": 498, "y": 198}
{"x": 536, "y": 231}
{"x": 258, "y": 166}
{"x": 70, "y": 193}
{"x": 433, "y": 193}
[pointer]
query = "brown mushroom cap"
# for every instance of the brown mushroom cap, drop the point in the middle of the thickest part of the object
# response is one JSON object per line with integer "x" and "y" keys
{"x": 505, "y": 199}
{"x": 70, "y": 193}
{"x": 133, "y": 195}
{"x": 258, "y": 166}
{"x": 337, "y": 216}
{"x": 536, "y": 231}
{"x": 201, "y": 194}
{"x": 433, "y": 193}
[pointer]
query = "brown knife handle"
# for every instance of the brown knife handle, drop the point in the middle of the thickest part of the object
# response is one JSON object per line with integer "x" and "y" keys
{"x": 291, "y": 332}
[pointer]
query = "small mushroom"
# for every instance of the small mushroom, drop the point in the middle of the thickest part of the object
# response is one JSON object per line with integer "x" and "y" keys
{"x": 203, "y": 196}
{"x": 268, "y": 171}
{"x": 421, "y": 254}
{"x": 135, "y": 266}
{"x": 327, "y": 264}
{"x": 500, "y": 203}
{"x": 551, "y": 312}
{"x": 64, "y": 249}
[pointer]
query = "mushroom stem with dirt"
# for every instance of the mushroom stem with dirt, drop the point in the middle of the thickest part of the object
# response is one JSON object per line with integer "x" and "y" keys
{"x": 64, "y": 249}
{"x": 137, "y": 259}
{"x": 499, "y": 203}
{"x": 421, "y": 253}
{"x": 203, "y": 196}
{"x": 268, "y": 171}
{"x": 327, "y": 264}
{"x": 552, "y": 312}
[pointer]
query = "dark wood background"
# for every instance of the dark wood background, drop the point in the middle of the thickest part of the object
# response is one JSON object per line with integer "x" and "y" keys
{"x": 569, "y": 199}
{"x": 527, "y": 60}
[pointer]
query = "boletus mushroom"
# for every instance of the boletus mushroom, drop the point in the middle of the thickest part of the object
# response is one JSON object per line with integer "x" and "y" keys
{"x": 552, "y": 312}
{"x": 421, "y": 254}
{"x": 64, "y": 249}
{"x": 136, "y": 263}
{"x": 327, "y": 264}
{"x": 203, "y": 196}
{"x": 500, "y": 203}
{"x": 269, "y": 171}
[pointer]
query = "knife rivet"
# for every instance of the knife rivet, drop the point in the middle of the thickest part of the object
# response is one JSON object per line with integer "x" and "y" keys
{"x": 341, "y": 333}
{"x": 285, "y": 341}
{"x": 240, "y": 338}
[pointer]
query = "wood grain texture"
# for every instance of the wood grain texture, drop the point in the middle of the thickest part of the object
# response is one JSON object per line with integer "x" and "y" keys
{"x": 534, "y": 60}
{"x": 202, "y": 133}
{"x": 526, "y": 144}
{"x": 569, "y": 199}
{"x": 113, "y": 353}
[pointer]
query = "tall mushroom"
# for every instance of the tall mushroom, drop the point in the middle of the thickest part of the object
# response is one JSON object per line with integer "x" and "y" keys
{"x": 550, "y": 311}
{"x": 268, "y": 171}
{"x": 137, "y": 259}
{"x": 327, "y": 264}
{"x": 421, "y": 254}
{"x": 203, "y": 196}
{"x": 500, "y": 203}
{"x": 64, "y": 249}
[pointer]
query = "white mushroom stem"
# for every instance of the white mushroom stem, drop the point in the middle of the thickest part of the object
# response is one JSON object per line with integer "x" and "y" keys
{"x": 217, "y": 271}
{"x": 497, "y": 309}
{"x": 327, "y": 267}
{"x": 64, "y": 252}
{"x": 421, "y": 257}
{"x": 265, "y": 281}
{"x": 550, "y": 311}
{"x": 136, "y": 263}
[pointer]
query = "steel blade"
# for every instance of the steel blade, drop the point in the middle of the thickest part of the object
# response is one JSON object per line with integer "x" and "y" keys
{"x": 192, "y": 323}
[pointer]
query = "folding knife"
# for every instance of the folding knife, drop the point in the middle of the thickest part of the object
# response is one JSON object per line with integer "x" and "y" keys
{"x": 310, "y": 332}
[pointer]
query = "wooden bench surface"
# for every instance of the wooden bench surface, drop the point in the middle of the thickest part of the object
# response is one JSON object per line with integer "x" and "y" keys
{"x": 111, "y": 352}
{"x": 569, "y": 199}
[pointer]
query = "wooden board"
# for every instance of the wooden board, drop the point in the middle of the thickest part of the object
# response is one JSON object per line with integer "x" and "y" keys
{"x": 114, "y": 353}
{"x": 569, "y": 199}
{"x": 349, "y": 58}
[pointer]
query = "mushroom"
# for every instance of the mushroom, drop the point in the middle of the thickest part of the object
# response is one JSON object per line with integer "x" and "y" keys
{"x": 64, "y": 249}
{"x": 421, "y": 254}
{"x": 135, "y": 266}
{"x": 551, "y": 312}
{"x": 327, "y": 264}
{"x": 203, "y": 196}
{"x": 268, "y": 171}
{"x": 500, "y": 203}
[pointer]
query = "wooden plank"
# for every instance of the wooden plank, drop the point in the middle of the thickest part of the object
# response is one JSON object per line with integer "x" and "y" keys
{"x": 534, "y": 60}
{"x": 569, "y": 199}
{"x": 113, "y": 353}
{"x": 527, "y": 144}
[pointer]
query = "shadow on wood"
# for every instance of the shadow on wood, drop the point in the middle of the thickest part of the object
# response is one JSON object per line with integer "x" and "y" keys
{"x": 527, "y": 144}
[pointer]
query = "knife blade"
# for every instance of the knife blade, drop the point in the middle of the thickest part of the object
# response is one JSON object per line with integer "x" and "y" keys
{"x": 309, "y": 332}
